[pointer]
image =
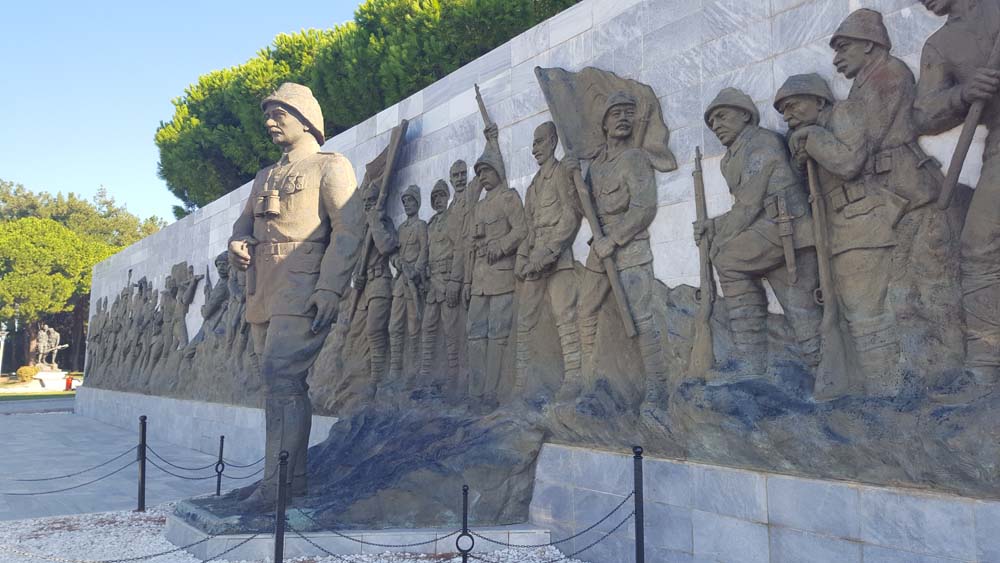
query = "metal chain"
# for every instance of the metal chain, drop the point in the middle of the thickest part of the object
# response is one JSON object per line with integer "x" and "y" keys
{"x": 238, "y": 466}
{"x": 254, "y": 474}
{"x": 168, "y": 472}
{"x": 564, "y": 540}
{"x": 31, "y": 555}
{"x": 98, "y": 466}
{"x": 73, "y": 487}
{"x": 181, "y": 467}
{"x": 373, "y": 544}
{"x": 240, "y": 544}
{"x": 571, "y": 555}
{"x": 316, "y": 545}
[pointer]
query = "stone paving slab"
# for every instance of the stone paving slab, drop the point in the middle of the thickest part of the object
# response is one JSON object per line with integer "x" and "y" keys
{"x": 49, "y": 444}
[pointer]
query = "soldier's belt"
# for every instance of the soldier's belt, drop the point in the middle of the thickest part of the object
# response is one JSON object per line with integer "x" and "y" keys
{"x": 283, "y": 248}
{"x": 442, "y": 267}
{"x": 845, "y": 194}
{"x": 886, "y": 159}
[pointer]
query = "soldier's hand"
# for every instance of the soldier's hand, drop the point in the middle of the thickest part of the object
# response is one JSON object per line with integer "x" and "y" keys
{"x": 798, "y": 138}
{"x": 983, "y": 86}
{"x": 240, "y": 253}
{"x": 452, "y": 293}
{"x": 604, "y": 247}
{"x": 702, "y": 229}
{"x": 326, "y": 303}
{"x": 492, "y": 132}
{"x": 493, "y": 252}
{"x": 467, "y": 293}
{"x": 572, "y": 164}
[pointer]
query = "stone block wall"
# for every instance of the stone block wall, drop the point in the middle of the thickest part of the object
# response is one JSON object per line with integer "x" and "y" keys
{"x": 687, "y": 50}
{"x": 700, "y": 513}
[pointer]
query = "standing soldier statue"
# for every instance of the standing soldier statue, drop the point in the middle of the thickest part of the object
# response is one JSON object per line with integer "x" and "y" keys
{"x": 545, "y": 262}
{"x": 766, "y": 235}
{"x": 960, "y": 70}
{"x": 42, "y": 344}
{"x": 497, "y": 230}
{"x": 410, "y": 262}
{"x": 439, "y": 311}
{"x": 298, "y": 236}
{"x": 376, "y": 297}
{"x": 460, "y": 231}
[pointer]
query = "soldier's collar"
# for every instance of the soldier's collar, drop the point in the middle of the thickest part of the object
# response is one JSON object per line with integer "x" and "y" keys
{"x": 741, "y": 139}
{"x": 296, "y": 155}
{"x": 868, "y": 71}
{"x": 549, "y": 168}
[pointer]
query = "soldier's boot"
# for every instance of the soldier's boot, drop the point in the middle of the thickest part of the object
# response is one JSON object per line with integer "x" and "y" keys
{"x": 982, "y": 344}
{"x": 877, "y": 346}
{"x": 522, "y": 363}
{"x": 428, "y": 339}
{"x": 288, "y": 420}
{"x": 655, "y": 365}
{"x": 748, "y": 325}
{"x": 588, "y": 336}
{"x": 494, "y": 365}
{"x": 569, "y": 339}
{"x": 377, "y": 349}
{"x": 810, "y": 351}
{"x": 395, "y": 358}
{"x": 477, "y": 374}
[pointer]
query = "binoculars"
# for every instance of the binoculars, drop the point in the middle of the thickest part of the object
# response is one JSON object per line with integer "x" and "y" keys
{"x": 268, "y": 204}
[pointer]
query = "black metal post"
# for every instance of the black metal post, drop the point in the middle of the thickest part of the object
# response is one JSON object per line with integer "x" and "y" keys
{"x": 279, "y": 509}
{"x": 470, "y": 542}
{"x": 220, "y": 466}
{"x": 141, "y": 456}
{"x": 640, "y": 525}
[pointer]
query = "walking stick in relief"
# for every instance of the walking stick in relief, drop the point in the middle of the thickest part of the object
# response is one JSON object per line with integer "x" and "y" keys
{"x": 965, "y": 139}
{"x": 832, "y": 373}
{"x": 702, "y": 354}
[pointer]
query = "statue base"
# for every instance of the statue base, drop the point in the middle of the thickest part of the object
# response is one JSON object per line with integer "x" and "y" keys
{"x": 51, "y": 379}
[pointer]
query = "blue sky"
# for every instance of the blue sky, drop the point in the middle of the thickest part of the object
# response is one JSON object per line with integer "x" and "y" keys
{"x": 85, "y": 84}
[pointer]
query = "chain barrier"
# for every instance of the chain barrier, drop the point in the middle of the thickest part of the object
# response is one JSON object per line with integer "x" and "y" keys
{"x": 91, "y": 482}
{"x": 30, "y": 555}
{"x": 81, "y": 472}
{"x": 174, "y": 465}
{"x": 564, "y": 540}
{"x": 374, "y": 544}
{"x": 241, "y": 477}
{"x": 238, "y": 466}
{"x": 185, "y": 477}
{"x": 571, "y": 555}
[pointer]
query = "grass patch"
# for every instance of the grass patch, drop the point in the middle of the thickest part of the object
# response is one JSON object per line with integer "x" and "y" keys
{"x": 30, "y": 396}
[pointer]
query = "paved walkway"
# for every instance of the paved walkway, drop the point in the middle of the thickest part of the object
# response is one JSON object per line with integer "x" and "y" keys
{"x": 39, "y": 445}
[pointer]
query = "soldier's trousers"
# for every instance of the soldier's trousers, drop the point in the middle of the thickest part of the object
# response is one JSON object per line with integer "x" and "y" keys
{"x": 638, "y": 283}
{"x": 440, "y": 315}
{"x": 403, "y": 323}
{"x": 285, "y": 350}
{"x": 981, "y": 269}
{"x": 488, "y": 327}
{"x": 377, "y": 311}
{"x": 560, "y": 288}
{"x": 742, "y": 263}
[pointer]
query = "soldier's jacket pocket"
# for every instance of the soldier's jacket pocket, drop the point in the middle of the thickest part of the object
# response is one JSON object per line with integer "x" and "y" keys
{"x": 613, "y": 198}
{"x": 303, "y": 262}
{"x": 862, "y": 206}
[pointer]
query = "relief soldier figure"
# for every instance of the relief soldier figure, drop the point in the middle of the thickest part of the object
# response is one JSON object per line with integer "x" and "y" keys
{"x": 497, "y": 230}
{"x": 186, "y": 289}
{"x": 860, "y": 222}
{"x": 440, "y": 311}
{"x": 766, "y": 235}
{"x": 374, "y": 305}
{"x": 954, "y": 74}
{"x": 545, "y": 261}
{"x": 297, "y": 235}
{"x": 459, "y": 229}
{"x": 410, "y": 262}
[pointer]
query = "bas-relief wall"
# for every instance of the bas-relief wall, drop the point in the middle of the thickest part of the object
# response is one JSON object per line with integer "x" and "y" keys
{"x": 686, "y": 50}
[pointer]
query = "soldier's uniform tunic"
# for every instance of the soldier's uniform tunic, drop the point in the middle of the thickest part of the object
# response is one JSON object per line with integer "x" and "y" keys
{"x": 553, "y": 219}
{"x": 376, "y": 301}
{"x": 437, "y": 312}
{"x": 748, "y": 247}
{"x": 404, "y": 319}
{"x": 308, "y": 246}
{"x": 950, "y": 59}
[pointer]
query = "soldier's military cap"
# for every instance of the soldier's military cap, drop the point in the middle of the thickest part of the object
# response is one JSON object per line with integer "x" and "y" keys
{"x": 618, "y": 98}
{"x": 863, "y": 24}
{"x": 300, "y": 98}
{"x": 413, "y": 191}
{"x": 491, "y": 157}
{"x": 732, "y": 97}
{"x": 439, "y": 187}
{"x": 803, "y": 84}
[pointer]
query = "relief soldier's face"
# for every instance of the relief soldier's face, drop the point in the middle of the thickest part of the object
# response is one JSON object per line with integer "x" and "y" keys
{"x": 619, "y": 120}
{"x": 543, "y": 147}
{"x": 410, "y": 205}
{"x": 488, "y": 177}
{"x": 939, "y": 7}
{"x": 852, "y": 54}
{"x": 459, "y": 178}
{"x": 799, "y": 111}
{"x": 727, "y": 123}
{"x": 285, "y": 129}
{"x": 439, "y": 201}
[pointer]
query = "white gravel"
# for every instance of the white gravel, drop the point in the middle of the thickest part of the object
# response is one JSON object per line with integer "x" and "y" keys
{"x": 90, "y": 538}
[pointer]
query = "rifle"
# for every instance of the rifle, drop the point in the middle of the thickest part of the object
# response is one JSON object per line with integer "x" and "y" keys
{"x": 832, "y": 373}
{"x": 965, "y": 139}
{"x": 702, "y": 354}
{"x": 358, "y": 280}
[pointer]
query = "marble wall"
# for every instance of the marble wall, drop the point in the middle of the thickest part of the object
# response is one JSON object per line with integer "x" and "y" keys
{"x": 687, "y": 50}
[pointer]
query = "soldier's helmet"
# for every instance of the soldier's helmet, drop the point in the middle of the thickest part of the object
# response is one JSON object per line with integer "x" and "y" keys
{"x": 440, "y": 187}
{"x": 492, "y": 158}
{"x": 300, "y": 99}
{"x": 413, "y": 191}
{"x": 617, "y": 98}
{"x": 803, "y": 84}
{"x": 866, "y": 25}
{"x": 735, "y": 98}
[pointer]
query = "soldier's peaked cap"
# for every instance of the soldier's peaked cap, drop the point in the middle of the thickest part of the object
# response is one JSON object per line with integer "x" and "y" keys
{"x": 413, "y": 191}
{"x": 440, "y": 186}
{"x": 803, "y": 84}
{"x": 866, "y": 25}
{"x": 300, "y": 98}
{"x": 734, "y": 98}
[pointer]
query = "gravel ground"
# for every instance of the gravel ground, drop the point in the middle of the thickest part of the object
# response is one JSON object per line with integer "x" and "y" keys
{"x": 90, "y": 538}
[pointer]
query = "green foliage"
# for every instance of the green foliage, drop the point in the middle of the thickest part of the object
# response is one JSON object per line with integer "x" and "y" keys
{"x": 27, "y": 373}
{"x": 216, "y": 141}
{"x": 43, "y": 265}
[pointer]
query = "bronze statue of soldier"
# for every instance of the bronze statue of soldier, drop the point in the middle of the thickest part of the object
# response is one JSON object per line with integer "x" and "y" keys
{"x": 410, "y": 262}
{"x": 297, "y": 235}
